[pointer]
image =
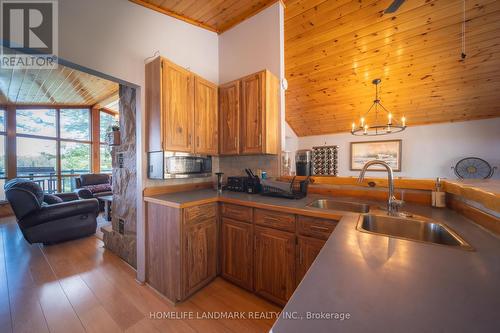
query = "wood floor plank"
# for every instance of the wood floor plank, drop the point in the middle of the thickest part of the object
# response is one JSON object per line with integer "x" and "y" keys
{"x": 26, "y": 311}
{"x": 80, "y": 286}
{"x": 5, "y": 318}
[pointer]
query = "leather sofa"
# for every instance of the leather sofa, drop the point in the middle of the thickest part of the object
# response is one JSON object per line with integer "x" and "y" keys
{"x": 93, "y": 185}
{"x": 50, "y": 219}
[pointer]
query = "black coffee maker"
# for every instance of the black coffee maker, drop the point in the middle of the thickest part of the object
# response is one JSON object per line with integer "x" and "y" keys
{"x": 303, "y": 162}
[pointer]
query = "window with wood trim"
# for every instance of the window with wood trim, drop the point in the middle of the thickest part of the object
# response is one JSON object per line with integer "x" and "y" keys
{"x": 106, "y": 120}
{"x": 53, "y": 146}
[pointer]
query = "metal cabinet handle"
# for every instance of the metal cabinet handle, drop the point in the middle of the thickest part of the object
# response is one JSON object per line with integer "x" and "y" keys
{"x": 260, "y": 139}
{"x": 319, "y": 228}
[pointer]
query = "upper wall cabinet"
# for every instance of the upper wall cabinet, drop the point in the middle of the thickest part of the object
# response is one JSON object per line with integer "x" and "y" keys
{"x": 229, "y": 109}
{"x": 206, "y": 117}
{"x": 181, "y": 109}
{"x": 250, "y": 118}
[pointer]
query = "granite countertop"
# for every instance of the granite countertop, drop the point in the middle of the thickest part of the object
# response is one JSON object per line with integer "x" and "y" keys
{"x": 385, "y": 284}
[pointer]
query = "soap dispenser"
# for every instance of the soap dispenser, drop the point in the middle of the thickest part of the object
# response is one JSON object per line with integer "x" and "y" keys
{"x": 438, "y": 195}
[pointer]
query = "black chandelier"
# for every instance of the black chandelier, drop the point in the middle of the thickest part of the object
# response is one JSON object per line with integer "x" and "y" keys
{"x": 392, "y": 126}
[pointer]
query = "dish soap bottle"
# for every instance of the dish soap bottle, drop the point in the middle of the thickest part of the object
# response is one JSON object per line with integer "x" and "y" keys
{"x": 438, "y": 196}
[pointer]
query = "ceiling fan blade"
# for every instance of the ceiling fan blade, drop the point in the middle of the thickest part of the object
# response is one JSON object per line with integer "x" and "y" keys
{"x": 394, "y": 6}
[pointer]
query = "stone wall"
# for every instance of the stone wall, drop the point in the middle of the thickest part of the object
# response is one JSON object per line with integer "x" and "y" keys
{"x": 124, "y": 205}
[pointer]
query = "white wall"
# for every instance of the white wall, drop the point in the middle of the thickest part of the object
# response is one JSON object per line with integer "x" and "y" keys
{"x": 251, "y": 46}
{"x": 429, "y": 151}
{"x": 115, "y": 36}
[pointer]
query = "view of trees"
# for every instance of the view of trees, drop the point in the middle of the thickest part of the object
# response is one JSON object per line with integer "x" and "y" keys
{"x": 40, "y": 154}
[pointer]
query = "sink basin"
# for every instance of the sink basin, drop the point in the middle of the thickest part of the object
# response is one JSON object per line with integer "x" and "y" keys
{"x": 426, "y": 231}
{"x": 340, "y": 205}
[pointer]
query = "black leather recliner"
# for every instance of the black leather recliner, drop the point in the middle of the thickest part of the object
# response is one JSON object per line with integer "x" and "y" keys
{"x": 50, "y": 218}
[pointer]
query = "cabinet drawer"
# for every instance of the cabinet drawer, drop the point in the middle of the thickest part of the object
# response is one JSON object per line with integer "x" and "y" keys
{"x": 315, "y": 227}
{"x": 200, "y": 213}
{"x": 277, "y": 220}
{"x": 236, "y": 212}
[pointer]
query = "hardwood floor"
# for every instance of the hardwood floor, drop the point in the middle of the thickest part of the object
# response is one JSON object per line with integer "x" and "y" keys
{"x": 79, "y": 286}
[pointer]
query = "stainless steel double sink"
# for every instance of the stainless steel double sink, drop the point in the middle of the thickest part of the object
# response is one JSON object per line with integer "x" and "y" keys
{"x": 417, "y": 229}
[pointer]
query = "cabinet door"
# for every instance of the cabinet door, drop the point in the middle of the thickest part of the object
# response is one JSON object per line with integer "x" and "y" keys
{"x": 178, "y": 108}
{"x": 200, "y": 262}
{"x": 274, "y": 264}
{"x": 251, "y": 123}
{"x": 237, "y": 252}
{"x": 307, "y": 250}
{"x": 206, "y": 117}
{"x": 229, "y": 108}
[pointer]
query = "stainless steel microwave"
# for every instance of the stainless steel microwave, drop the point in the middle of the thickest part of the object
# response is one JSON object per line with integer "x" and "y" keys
{"x": 165, "y": 165}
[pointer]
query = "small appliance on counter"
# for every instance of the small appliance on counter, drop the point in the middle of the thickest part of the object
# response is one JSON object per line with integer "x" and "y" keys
{"x": 165, "y": 165}
{"x": 303, "y": 162}
{"x": 249, "y": 184}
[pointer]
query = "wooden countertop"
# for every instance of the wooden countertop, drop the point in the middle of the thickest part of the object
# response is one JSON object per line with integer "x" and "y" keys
{"x": 483, "y": 191}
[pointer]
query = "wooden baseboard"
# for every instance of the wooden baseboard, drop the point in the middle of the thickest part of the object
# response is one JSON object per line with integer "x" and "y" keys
{"x": 159, "y": 190}
{"x": 486, "y": 220}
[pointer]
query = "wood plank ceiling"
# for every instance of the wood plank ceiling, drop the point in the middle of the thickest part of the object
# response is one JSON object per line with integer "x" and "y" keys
{"x": 61, "y": 86}
{"x": 334, "y": 49}
{"x": 214, "y": 15}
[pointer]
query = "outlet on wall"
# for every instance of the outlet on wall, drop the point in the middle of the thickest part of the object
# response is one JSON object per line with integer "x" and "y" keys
{"x": 121, "y": 226}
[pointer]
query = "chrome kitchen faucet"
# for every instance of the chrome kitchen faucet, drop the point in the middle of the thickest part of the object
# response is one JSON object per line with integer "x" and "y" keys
{"x": 393, "y": 204}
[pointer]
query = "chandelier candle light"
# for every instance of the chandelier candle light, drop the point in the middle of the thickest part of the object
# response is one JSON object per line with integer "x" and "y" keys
{"x": 392, "y": 126}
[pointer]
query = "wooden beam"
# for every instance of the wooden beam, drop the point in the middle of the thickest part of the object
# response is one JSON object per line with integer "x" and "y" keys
{"x": 96, "y": 146}
{"x": 10, "y": 142}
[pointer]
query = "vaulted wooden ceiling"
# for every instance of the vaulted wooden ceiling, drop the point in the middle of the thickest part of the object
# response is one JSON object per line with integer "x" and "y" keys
{"x": 334, "y": 49}
{"x": 61, "y": 86}
{"x": 214, "y": 15}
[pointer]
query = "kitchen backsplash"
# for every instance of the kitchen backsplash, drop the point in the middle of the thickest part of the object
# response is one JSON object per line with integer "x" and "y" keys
{"x": 235, "y": 165}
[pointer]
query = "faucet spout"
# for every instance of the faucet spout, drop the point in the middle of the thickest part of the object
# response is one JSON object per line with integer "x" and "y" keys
{"x": 392, "y": 203}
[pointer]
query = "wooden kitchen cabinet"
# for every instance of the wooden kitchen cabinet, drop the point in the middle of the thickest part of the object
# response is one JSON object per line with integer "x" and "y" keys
{"x": 260, "y": 118}
{"x": 250, "y": 116}
{"x": 177, "y": 108}
{"x": 237, "y": 252}
{"x": 200, "y": 263}
{"x": 229, "y": 110}
{"x": 181, "y": 251}
{"x": 206, "y": 117}
{"x": 181, "y": 110}
{"x": 274, "y": 264}
{"x": 307, "y": 250}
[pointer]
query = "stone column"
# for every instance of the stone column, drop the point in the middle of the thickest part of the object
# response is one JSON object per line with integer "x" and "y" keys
{"x": 122, "y": 240}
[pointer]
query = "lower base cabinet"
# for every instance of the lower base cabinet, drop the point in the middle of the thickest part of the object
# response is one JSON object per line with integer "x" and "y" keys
{"x": 263, "y": 251}
{"x": 274, "y": 264}
{"x": 201, "y": 254}
{"x": 237, "y": 252}
{"x": 307, "y": 250}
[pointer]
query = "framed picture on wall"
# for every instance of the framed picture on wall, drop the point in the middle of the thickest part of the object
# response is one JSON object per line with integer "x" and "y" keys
{"x": 388, "y": 151}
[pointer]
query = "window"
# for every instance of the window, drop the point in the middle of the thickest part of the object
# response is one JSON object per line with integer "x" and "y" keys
{"x": 106, "y": 162}
{"x": 106, "y": 121}
{"x": 75, "y": 158}
{"x": 40, "y": 122}
{"x": 53, "y": 146}
{"x": 75, "y": 124}
{"x": 37, "y": 160}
